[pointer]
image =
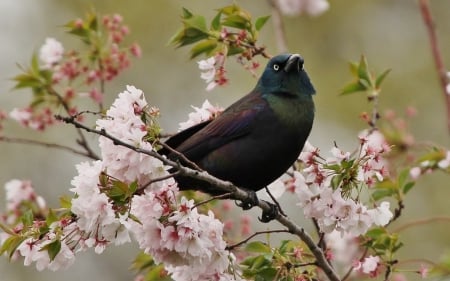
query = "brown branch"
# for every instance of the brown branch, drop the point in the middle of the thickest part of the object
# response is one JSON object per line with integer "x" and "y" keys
{"x": 438, "y": 61}
{"x": 181, "y": 156}
{"x": 237, "y": 193}
{"x": 421, "y": 222}
{"x": 231, "y": 247}
{"x": 82, "y": 140}
{"x": 48, "y": 145}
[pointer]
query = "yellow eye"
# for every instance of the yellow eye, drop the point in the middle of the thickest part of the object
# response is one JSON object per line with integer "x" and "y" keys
{"x": 276, "y": 67}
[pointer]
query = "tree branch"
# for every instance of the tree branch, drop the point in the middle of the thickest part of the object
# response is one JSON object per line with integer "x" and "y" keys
{"x": 438, "y": 61}
{"x": 231, "y": 247}
{"x": 48, "y": 145}
{"x": 237, "y": 193}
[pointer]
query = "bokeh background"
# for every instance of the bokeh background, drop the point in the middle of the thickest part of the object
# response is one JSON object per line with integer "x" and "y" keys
{"x": 390, "y": 33}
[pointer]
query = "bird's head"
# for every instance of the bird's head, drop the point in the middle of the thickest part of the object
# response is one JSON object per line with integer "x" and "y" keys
{"x": 285, "y": 75}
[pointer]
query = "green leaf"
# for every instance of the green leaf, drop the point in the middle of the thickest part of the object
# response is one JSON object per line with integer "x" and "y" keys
{"x": 215, "y": 24}
{"x": 260, "y": 22}
{"x": 407, "y": 187}
{"x": 27, "y": 218}
{"x": 51, "y": 217}
{"x": 381, "y": 77}
{"x": 374, "y": 233}
{"x": 363, "y": 70}
{"x": 382, "y": 193}
{"x": 52, "y": 249}
{"x": 237, "y": 21}
{"x": 186, "y": 13}
{"x": 258, "y": 247}
{"x": 196, "y": 22}
{"x": 353, "y": 88}
{"x": 204, "y": 46}
{"x": 65, "y": 202}
{"x": 10, "y": 245}
{"x": 6, "y": 229}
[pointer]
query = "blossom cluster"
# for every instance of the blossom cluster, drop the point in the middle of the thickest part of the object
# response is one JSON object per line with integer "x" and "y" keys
{"x": 109, "y": 209}
{"x": 55, "y": 71}
{"x": 188, "y": 243}
{"x": 213, "y": 71}
{"x": 325, "y": 189}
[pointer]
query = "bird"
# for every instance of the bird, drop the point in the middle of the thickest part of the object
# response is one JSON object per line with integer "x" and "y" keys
{"x": 257, "y": 138}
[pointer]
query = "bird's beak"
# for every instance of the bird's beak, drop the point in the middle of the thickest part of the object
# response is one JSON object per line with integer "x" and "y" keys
{"x": 295, "y": 61}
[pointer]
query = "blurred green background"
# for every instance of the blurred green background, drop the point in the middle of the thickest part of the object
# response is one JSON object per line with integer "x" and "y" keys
{"x": 389, "y": 32}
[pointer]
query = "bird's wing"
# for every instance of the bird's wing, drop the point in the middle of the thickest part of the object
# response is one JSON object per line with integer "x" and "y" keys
{"x": 233, "y": 123}
{"x": 177, "y": 139}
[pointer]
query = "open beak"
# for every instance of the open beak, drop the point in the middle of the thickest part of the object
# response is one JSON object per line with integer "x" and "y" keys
{"x": 295, "y": 61}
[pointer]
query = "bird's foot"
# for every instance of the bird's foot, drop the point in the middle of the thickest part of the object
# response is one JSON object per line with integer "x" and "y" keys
{"x": 250, "y": 202}
{"x": 270, "y": 214}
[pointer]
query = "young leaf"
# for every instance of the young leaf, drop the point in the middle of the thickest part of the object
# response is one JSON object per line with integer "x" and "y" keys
{"x": 381, "y": 77}
{"x": 215, "y": 24}
{"x": 260, "y": 22}
{"x": 363, "y": 70}
{"x": 258, "y": 247}
{"x": 353, "y": 88}
{"x": 204, "y": 46}
{"x": 52, "y": 249}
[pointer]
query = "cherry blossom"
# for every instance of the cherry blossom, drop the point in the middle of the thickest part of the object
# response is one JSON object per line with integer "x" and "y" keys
{"x": 204, "y": 113}
{"x": 51, "y": 52}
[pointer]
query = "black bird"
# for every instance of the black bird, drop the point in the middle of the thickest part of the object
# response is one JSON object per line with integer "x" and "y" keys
{"x": 256, "y": 139}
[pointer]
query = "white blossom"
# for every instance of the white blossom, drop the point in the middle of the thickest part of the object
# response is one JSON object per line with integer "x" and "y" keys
{"x": 51, "y": 52}
{"x": 201, "y": 114}
{"x": 297, "y": 7}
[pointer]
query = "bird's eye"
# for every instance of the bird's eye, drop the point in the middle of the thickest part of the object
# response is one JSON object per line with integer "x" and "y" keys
{"x": 276, "y": 67}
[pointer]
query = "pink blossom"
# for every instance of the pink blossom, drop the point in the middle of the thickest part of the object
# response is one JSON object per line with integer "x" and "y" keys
{"x": 51, "y": 52}
{"x": 204, "y": 113}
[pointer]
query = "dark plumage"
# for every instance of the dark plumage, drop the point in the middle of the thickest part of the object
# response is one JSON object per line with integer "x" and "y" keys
{"x": 256, "y": 139}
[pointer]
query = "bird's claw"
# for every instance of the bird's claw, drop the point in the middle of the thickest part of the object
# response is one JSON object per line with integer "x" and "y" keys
{"x": 250, "y": 202}
{"x": 269, "y": 215}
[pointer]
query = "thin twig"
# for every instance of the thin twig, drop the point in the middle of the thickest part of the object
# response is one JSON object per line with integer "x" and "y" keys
{"x": 144, "y": 186}
{"x": 438, "y": 61}
{"x": 275, "y": 201}
{"x": 350, "y": 270}
{"x": 212, "y": 198}
{"x": 278, "y": 26}
{"x": 237, "y": 193}
{"x": 181, "y": 156}
{"x": 421, "y": 222}
{"x": 231, "y": 247}
{"x": 48, "y": 145}
{"x": 82, "y": 140}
